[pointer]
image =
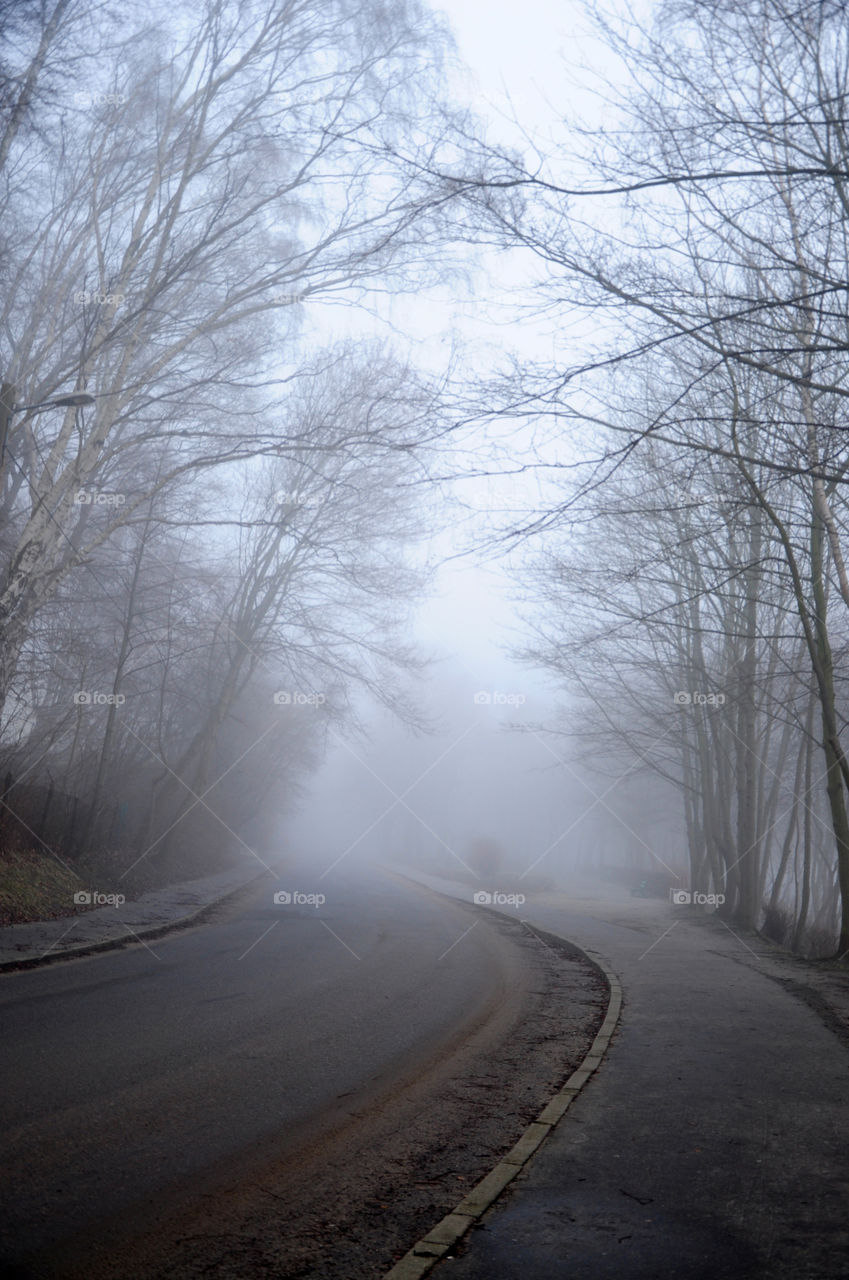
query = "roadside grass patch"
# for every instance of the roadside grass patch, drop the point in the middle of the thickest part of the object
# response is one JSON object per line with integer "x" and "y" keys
{"x": 35, "y": 886}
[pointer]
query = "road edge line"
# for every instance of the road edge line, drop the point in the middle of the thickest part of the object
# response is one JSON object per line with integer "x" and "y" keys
{"x": 432, "y": 1248}
{"x": 133, "y": 937}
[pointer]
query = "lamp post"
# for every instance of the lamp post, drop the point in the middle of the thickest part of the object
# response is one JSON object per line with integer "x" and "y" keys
{"x": 77, "y": 400}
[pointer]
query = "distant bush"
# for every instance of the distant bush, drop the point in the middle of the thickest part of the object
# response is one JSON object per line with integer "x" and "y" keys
{"x": 485, "y": 855}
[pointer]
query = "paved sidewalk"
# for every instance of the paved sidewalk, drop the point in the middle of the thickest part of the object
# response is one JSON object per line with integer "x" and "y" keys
{"x": 711, "y": 1144}
{"x": 42, "y": 941}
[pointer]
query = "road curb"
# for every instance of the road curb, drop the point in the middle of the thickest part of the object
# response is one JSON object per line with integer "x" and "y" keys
{"x": 433, "y": 1247}
{"x": 134, "y": 936}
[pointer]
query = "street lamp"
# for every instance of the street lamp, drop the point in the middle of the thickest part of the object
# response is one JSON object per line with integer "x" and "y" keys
{"x": 77, "y": 400}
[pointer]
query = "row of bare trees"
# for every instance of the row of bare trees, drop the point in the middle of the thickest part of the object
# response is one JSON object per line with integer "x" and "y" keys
{"x": 200, "y": 567}
{"x": 701, "y": 229}
{"x": 228, "y": 519}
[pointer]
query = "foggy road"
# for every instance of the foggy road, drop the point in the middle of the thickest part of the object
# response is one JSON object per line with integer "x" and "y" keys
{"x": 424, "y": 445}
{"x": 137, "y": 1074}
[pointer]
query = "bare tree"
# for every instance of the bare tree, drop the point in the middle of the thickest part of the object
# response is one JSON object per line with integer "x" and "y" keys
{"x": 209, "y": 190}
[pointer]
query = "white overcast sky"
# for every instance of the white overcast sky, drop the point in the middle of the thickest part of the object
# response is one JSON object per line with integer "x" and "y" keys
{"x": 513, "y": 47}
{"x": 532, "y": 61}
{"x": 519, "y": 53}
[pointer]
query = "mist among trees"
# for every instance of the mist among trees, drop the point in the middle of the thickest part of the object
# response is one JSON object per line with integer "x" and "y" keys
{"x": 212, "y": 555}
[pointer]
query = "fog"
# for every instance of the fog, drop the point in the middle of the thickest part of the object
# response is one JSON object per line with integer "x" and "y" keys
{"x": 424, "y": 627}
{"x": 487, "y": 771}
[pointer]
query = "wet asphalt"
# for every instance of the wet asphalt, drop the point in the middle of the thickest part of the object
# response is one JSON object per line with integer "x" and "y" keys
{"x": 125, "y": 1076}
{"x": 713, "y": 1141}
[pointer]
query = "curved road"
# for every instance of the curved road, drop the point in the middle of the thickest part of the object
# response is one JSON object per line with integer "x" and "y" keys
{"x": 129, "y": 1076}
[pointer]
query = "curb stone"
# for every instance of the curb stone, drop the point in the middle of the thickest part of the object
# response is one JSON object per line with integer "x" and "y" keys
{"x": 433, "y": 1247}
{"x": 125, "y": 940}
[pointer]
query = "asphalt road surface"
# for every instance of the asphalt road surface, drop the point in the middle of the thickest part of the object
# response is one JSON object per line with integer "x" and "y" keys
{"x": 128, "y": 1077}
{"x": 711, "y": 1144}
